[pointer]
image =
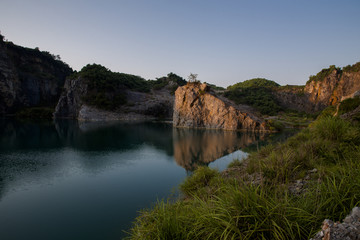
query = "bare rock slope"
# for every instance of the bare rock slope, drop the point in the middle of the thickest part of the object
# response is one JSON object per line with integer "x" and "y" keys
{"x": 197, "y": 106}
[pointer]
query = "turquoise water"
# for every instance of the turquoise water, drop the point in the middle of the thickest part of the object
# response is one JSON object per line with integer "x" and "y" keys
{"x": 70, "y": 180}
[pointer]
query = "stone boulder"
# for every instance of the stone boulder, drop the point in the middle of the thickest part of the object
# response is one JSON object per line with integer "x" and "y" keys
{"x": 196, "y": 106}
{"x": 348, "y": 230}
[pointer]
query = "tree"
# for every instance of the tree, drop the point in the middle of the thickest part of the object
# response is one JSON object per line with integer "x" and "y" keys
{"x": 193, "y": 78}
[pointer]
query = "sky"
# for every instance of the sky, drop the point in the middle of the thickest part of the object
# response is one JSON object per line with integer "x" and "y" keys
{"x": 223, "y": 41}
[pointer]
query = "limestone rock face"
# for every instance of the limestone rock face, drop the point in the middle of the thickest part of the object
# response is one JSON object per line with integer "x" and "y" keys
{"x": 317, "y": 95}
{"x": 29, "y": 78}
{"x": 70, "y": 102}
{"x": 320, "y": 92}
{"x": 197, "y": 106}
{"x": 333, "y": 89}
{"x": 294, "y": 98}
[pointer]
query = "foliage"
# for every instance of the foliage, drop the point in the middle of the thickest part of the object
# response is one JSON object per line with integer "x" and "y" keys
{"x": 275, "y": 125}
{"x": 214, "y": 87}
{"x": 165, "y": 81}
{"x": 255, "y": 82}
{"x": 349, "y": 105}
{"x": 177, "y": 79}
{"x": 106, "y": 89}
{"x": 352, "y": 68}
{"x": 216, "y": 207}
{"x": 101, "y": 78}
{"x": 46, "y": 57}
{"x": 323, "y": 74}
{"x": 327, "y": 112}
{"x": 193, "y": 78}
{"x": 260, "y": 98}
{"x": 200, "y": 180}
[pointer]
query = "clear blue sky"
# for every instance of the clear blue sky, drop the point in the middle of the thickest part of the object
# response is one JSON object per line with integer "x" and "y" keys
{"x": 223, "y": 41}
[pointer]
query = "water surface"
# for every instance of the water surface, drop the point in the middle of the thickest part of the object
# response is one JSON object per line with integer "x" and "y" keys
{"x": 70, "y": 180}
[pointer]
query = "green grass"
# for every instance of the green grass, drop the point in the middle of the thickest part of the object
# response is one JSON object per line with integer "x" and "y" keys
{"x": 217, "y": 207}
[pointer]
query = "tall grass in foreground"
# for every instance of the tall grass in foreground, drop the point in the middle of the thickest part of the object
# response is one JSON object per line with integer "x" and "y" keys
{"x": 218, "y": 207}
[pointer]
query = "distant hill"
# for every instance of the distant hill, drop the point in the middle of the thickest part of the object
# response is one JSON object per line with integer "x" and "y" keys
{"x": 255, "y": 82}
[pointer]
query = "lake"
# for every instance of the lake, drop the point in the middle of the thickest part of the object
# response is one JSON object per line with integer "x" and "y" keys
{"x": 72, "y": 180}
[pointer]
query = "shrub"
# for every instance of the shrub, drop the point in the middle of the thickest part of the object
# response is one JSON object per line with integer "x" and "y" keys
{"x": 260, "y": 98}
{"x": 255, "y": 82}
{"x": 349, "y": 105}
{"x": 352, "y": 68}
{"x": 324, "y": 73}
{"x": 201, "y": 178}
{"x": 331, "y": 128}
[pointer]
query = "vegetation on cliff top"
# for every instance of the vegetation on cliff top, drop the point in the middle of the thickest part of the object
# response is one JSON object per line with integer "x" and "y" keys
{"x": 31, "y": 67}
{"x": 284, "y": 191}
{"x": 327, "y": 71}
{"x": 352, "y": 68}
{"x": 107, "y": 89}
{"x": 257, "y": 93}
{"x": 255, "y": 82}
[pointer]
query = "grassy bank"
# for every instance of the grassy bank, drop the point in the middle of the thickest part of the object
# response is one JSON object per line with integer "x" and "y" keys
{"x": 284, "y": 191}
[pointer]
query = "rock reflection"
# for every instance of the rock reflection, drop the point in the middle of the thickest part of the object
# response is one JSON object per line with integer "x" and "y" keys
{"x": 195, "y": 147}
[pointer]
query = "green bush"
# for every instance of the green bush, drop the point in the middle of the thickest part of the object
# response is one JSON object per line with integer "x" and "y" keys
{"x": 261, "y": 98}
{"x": 332, "y": 128}
{"x": 199, "y": 180}
{"x": 349, "y": 105}
{"x": 352, "y": 68}
{"x": 324, "y": 73}
{"x": 255, "y": 82}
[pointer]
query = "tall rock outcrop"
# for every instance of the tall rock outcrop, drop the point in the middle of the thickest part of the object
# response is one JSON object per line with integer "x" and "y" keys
{"x": 333, "y": 85}
{"x": 329, "y": 87}
{"x": 321, "y": 92}
{"x": 197, "y": 106}
{"x": 29, "y": 78}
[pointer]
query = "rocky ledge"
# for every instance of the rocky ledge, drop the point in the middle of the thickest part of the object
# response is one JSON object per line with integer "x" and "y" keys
{"x": 199, "y": 107}
{"x": 348, "y": 230}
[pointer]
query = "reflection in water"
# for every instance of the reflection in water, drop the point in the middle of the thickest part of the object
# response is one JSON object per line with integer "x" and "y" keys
{"x": 196, "y": 147}
{"x": 92, "y": 178}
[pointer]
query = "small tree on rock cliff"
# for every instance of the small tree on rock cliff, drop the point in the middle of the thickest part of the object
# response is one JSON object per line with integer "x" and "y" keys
{"x": 193, "y": 78}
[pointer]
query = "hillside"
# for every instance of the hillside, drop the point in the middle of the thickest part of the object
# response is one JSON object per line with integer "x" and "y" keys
{"x": 96, "y": 93}
{"x": 327, "y": 88}
{"x": 29, "y": 78}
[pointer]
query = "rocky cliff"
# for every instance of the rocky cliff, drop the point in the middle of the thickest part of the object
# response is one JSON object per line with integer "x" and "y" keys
{"x": 29, "y": 78}
{"x": 329, "y": 87}
{"x": 137, "y": 105}
{"x": 197, "y": 106}
{"x": 336, "y": 86}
